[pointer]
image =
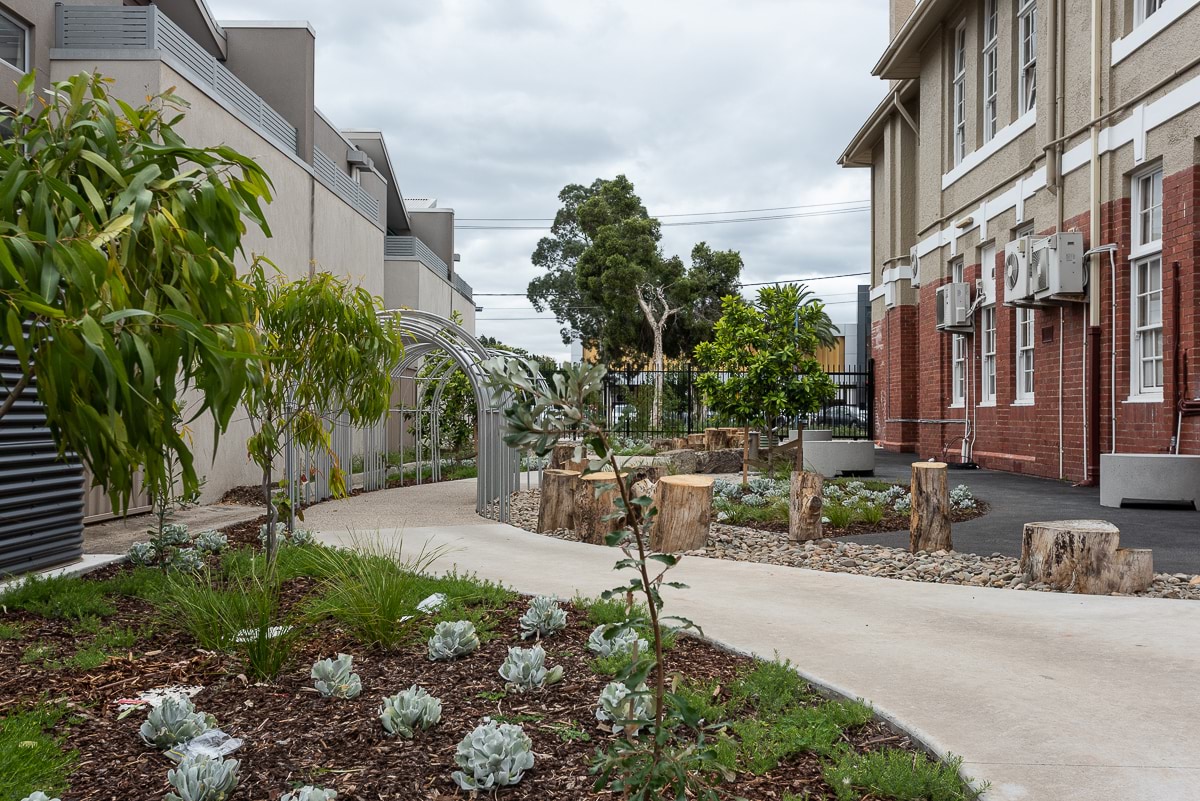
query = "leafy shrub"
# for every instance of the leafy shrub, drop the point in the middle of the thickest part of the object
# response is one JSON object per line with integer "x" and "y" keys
{"x": 172, "y": 722}
{"x": 65, "y": 597}
{"x": 493, "y": 755}
{"x": 525, "y": 669}
{"x": 409, "y": 710}
{"x": 543, "y": 618}
{"x": 199, "y": 778}
{"x": 451, "y": 640}
{"x": 333, "y": 677}
{"x": 625, "y": 711}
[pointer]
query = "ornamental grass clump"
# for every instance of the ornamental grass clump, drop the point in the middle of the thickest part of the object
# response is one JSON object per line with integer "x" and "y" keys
{"x": 625, "y": 711}
{"x": 333, "y": 677}
{"x": 451, "y": 640}
{"x": 493, "y": 755}
{"x": 172, "y": 722}
{"x": 201, "y": 778}
{"x": 409, "y": 710}
{"x": 524, "y": 669}
{"x": 543, "y": 618}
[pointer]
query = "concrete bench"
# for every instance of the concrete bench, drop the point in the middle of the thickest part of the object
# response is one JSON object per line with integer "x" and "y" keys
{"x": 840, "y": 457}
{"x": 812, "y": 434}
{"x": 1166, "y": 478}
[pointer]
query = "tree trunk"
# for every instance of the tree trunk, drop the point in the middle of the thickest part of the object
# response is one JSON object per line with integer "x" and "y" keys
{"x": 557, "y": 506}
{"x": 563, "y": 454}
{"x": 805, "y": 505}
{"x": 653, "y": 302}
{"x": 590, "y": 510}
{"x": 746, "y": 455}
{"x": 1082, "y": 556}
{"x": 656, "y": 409}
{"x": 684, "y": 506}
{"x": 929, "y": 526}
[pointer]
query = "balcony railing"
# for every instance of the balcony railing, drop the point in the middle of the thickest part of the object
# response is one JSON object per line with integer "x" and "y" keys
{"x": 410, "y": 247}
{"x": 146, "y": 28}
{"x": 463, "y": 287}
{"x": 344, "y": 186}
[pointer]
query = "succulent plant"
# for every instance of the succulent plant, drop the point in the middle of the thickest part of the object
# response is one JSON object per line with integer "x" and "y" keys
{"x": 38, "y": 795}
{"x": 309, "y": 793}
{"x": 451, "y": 640}
{"x": 619, "y": 703}
{"x": 492, "y": 755}
{"x": 174, "y": 535}
{"x": 143, "y": 554}
{"x": 172, "y": 722}
{"x": 619, "y": 643}
{"x": 408, "y": 710}
{"x": 332, "y": 677}
{"x": 202, "y": 778}
{"x": 303, "y": 536}
{"x": 543, "y": 618}
{"x": 525, "y": 669}
{"x": 211, "y": 541}
{"x": 187, "y": 560}
{"x": 754, "y": 501}
{"x": 280, "y": 534}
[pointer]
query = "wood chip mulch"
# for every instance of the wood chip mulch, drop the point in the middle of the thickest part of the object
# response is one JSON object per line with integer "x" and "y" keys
{"x": 292, "y": 736}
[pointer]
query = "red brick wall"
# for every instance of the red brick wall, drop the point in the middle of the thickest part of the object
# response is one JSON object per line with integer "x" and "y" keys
{"x": 1026, "y": 438}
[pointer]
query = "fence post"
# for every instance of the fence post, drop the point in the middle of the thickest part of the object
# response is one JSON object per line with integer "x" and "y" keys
{"x": 871, "y": 399}
{"x": 689, "y": 398}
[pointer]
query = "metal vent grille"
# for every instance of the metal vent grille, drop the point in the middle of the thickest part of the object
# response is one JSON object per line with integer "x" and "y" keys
{"x": 41, "y": 495}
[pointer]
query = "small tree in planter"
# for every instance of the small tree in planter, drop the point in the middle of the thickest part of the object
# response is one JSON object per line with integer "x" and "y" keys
{"x": 761, "y": 363}
{"x": 118, "y": 242}
{"x": 327, "y": 351}
{"x": 676, "y": 761}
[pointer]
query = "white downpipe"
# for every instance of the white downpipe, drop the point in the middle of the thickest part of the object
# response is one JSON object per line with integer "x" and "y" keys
{"x": 1112, "y": 370}
{"x": 1061, "y": 316}
{"x": 1084, "y": 400}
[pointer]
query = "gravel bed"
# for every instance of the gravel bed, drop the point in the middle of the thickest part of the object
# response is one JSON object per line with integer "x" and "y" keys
{"x": 840, "y": 556}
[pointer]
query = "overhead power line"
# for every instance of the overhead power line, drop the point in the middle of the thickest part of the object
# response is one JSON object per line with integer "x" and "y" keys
{"x": 765, "y": 218}
{"x": 679, "y": 214}
{"x": 552, "y": 317}
{"x": 755, "y": 283}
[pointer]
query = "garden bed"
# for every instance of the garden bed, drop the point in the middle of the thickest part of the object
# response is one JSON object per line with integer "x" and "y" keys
{"x": 71, "y": 648}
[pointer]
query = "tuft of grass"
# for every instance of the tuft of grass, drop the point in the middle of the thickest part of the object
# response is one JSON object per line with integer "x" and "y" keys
{"x": 705, "y": 699}
{"x": 492, "y": 695}
{"x": 140, "y": 582}
{"x": 606, "y": 612}
{"x": 64, "y": 597}
{"x": 738, "y": 514}
{"x": 895, "y": 774}
{"x": 764, "y": 743}
{"x": 38, "y": 652}
{"x": 31, "y": 756}
{"x": 87, "y": 658}
{"x": 11, "y": 631}
{"x": 521, "y": 717}
{"x": 871, "y": 513}
{"x": 840, "y": 516}
{"x": 769, "y": 689}
{"x": 569, "y": 732}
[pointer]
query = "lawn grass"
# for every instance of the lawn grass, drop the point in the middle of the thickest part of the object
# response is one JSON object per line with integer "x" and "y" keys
{"x": 63, "y": 597}
{"x": 894, "y": 774}
{"x": 31, "y": 756}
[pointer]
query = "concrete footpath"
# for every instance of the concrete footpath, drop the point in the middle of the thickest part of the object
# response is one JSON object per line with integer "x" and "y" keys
{"x": 1048, "y": 697}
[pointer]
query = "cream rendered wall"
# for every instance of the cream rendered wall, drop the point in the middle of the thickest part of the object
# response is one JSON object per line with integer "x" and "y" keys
{"x": 346, "y": 242}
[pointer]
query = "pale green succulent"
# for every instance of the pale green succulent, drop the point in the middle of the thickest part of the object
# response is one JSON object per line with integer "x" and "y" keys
{"x": 280, "y": 534}
{"x": 211, "y": 541}
{"x": 619, "y": 703}
{"x": 309, "y": 793}
{"x": 174, "y": 534}
{"x": 409, "y": 710}
{"x": 621, "y": 642}
{"x": 38, "y": 795}
{"x": 451, "y": 640}
{"x": 303, "y": 536}
{"x": 493, "y": 755}
{"x": 543, "y": 618}
{"x": 143, "y": 553}
{"x": 525, "y": 669}
{"x": 172, "y": 722}
{"x": 201, "y": 778}
{"x": 333, "y": 677}
{"x": 187, "y": 560}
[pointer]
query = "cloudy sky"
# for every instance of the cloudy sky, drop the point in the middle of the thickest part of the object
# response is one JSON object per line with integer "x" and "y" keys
{"x": 492, "y": 106}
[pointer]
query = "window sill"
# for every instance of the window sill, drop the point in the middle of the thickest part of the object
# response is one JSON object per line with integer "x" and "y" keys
{"x": 1003, "y": 137}
{"x": 1145, "y": 251}
{"x": 1144, "y": 399}
{"x": 1149, "y": 28}
{"x": 987, "y": 405}
{"x": 957, "y": 405}
{"x": 1025, "y": 402}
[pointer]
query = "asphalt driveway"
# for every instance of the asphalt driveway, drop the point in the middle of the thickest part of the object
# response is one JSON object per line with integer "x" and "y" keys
{"x": 1173, "y": 534}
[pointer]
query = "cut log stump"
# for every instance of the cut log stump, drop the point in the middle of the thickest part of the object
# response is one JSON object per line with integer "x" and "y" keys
{"x": 716, "y": 439}
{"x": 557, "y": 506}
{"x": 590, "y": 509}
{"x": 1083, "y": 556}
{"x": 695, "y": 440}
{"x": 805, "y": 505}
{"x": 563, "y": 454}
{"x": 684, "y": 506}
{"x": 929, "y": 526}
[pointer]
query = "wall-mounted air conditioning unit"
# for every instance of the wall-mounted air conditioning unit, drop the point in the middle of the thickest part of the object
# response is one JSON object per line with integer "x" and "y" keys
{"x": 1017, "y": 291}
{"x": 953, "y": 306}
{"x": 1056, "y": 267}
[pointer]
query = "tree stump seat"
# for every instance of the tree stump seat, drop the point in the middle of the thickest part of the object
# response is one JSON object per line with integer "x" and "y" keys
{"x": 1083, "y": 556}
{"x": 684, "y": 506}
{"x": 592, "y": 506}
{"x": 556, "y": 509}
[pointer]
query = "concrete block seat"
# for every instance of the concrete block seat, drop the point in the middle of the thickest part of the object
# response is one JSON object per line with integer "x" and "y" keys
{"x": 1137, "y": 478}
{"x": 813, "y": 434}
{"x": 840, "y": 457}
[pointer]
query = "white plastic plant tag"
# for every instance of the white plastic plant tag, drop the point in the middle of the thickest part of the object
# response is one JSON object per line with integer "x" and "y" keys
{"x": 212, "y": 743}
{"x": 249, "y": 635}
{"x": 433, "y": 603}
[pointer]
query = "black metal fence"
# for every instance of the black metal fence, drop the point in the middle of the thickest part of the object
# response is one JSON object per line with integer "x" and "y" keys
{"x": 629, "y": 399}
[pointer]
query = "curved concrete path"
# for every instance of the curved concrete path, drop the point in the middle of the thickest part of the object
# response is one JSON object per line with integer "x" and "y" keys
{"x": 1048, "y": 697}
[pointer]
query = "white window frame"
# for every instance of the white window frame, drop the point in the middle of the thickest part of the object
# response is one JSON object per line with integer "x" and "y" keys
{"x": 958, "y": 351}
{"x": 1026, "y": 55}
{"x": 958, "y": 94}
{"x": 987, "y": 327}
{"x": 1146, "y": 206}
{"x": 1144, "y": 9}
{"x": 1026, "y": 365}
{"x": 23, "y": 67}
{"x": 990, "y": 68}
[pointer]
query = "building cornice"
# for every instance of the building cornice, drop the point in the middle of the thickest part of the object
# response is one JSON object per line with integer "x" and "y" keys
{"x": 902, "y": 58}
{"x": 858, "y": 151}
